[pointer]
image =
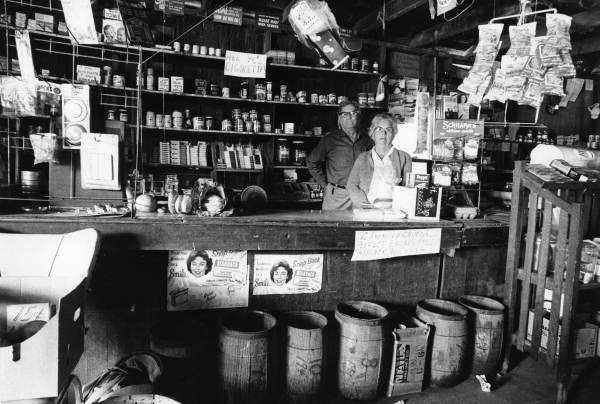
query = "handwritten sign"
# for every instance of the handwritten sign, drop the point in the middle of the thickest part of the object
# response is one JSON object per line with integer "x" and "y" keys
{"x": 18, "y": 315}
{"x": 381, "y": 244}
{"x": 457, "y": 128}
{"x": 267, "y": 21}
{"x": 405, "y": 64}
{"x": 200, "y": 279}
{"x": 287, "y": 274}
{"x": 229, "y": 15}
{"x": 240, "y": 64}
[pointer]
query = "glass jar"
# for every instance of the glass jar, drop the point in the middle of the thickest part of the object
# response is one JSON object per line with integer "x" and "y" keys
{"x": 282, "y": 151}
{"x": 299, "y": 153}
{"x": 243, "y": 90}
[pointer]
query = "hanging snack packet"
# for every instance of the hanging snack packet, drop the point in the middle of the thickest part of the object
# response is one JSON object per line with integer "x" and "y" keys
{"x": 520, "y": 39}
{"x": 534, "y": 69}
{"x": 497, "y": 91}
{"x": 455, "y": 169}
{"x": 553, "y": 82}
{"x": 471, "y": 83}
{"x": 44, "y": 148}
{"x": 558, "y": 25}
{"x": 441, "y": 174}
{"x": 566, "y": 67}
{"x": 489, "y": 34}
{"x": 532, "y": 95}
{"x": 486, "y": 51}
{"x": 513, "y": 66}
{"x": 471, "y": 148}
{"x": 469, "y": 174}
{"x": 475, "y": 99}
{"x": 547, "y": 50}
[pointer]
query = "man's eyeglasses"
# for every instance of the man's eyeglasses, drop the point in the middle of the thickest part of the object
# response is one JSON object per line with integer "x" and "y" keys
{"x": 389, "y": 130}
{"x": 349, "y": 114}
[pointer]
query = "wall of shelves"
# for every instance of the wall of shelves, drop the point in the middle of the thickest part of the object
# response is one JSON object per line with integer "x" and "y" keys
{"x": 55, "y": 52}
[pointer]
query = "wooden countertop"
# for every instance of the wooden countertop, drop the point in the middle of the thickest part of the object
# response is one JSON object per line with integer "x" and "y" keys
{"x": 275, "y": 230}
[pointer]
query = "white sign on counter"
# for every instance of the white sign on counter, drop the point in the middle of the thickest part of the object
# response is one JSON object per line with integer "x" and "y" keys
{"x": 240, "y": 64}
{"x": 381, "y": 244}
{"x": 200, "y": 279}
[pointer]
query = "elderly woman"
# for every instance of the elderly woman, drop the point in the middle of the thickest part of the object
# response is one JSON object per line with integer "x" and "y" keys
{"x": 376, "y": 171}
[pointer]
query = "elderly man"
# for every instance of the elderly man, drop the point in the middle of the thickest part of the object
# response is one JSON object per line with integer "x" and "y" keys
{"x": 331, "y": 161}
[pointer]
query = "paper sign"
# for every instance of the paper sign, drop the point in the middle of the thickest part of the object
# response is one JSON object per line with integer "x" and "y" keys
{"x": 200, "y": 279}
{"x": 88, "y": 74}
{"x": 443, "y": 6}
{"x": 229, "y": 15}
{"x": 267, "y": 21}
{"x": 381, "y": 244}
{"x": 80, "y": 21}
{"x": 18, "y": 315}
{"x": 100, "y": 161}
{"x": 287, "y": 274}
{"x": 457, "y": 128}
{"x": 240, "y": 64}
{"x": 23, "y": 45}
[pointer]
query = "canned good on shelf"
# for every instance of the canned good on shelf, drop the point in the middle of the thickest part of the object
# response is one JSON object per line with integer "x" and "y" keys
{"x": 198, "y": 123}
{"x": 226, "y": 125}
{"x": 364, "y": 65}
{"x": 110, "y": 115}
{"x": 168, "y": 121}
{"x": 160, "y": 120}
{"x": 150, "y": 118}
{"x": 123, "y": 116}
{"x": 282, "y": 151}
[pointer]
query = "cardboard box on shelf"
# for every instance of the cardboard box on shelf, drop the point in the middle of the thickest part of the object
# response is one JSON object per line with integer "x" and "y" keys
{"x": 585, "y": 338}
{"x": 55, "y": 277}
{"x": 411, "y": 339}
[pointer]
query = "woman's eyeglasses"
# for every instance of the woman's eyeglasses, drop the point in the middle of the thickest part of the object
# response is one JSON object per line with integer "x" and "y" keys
{"x": 349, "y": 114}
{"x": 378, "y": 129}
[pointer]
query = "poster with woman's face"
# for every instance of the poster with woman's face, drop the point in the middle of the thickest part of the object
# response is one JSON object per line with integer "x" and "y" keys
{"x": 207, "y": 279}
{"x": 287, "y": 274}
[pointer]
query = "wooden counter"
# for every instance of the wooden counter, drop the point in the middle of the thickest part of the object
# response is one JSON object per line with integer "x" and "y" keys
{"x": 294, "y": 230}
{"x": 128, "y": 286}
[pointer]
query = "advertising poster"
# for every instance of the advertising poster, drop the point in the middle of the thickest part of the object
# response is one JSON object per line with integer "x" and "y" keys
{"x": 207, "y": 279}
{"x": 287, "y": 274}
{"x": 80, "y": 21}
